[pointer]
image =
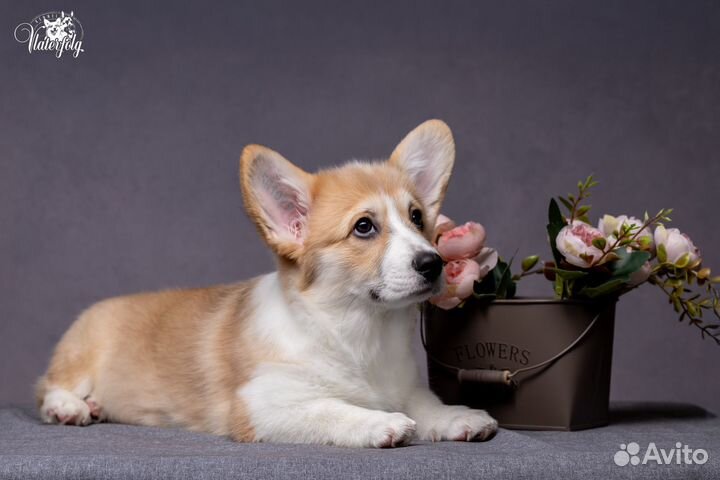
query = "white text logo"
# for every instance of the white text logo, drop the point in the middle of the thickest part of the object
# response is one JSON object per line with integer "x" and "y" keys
{"x": 55, "y": 32}
{"x": 680, "y": 455}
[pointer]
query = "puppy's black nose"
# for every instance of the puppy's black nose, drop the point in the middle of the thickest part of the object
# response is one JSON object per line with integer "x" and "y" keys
{"x": 428, "y": 264}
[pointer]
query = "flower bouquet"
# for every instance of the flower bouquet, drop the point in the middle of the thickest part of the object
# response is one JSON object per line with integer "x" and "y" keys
{"x": 545, "y": 363}
{"x": 606, "y": 262}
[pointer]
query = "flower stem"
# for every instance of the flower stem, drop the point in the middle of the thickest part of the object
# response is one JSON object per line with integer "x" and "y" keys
{"x": 521, "y": 275}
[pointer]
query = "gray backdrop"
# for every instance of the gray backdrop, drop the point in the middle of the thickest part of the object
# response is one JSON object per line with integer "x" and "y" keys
{"x": 118, "y": 169}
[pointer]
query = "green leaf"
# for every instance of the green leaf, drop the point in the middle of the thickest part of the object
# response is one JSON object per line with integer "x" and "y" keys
{"x": 566, "y": 202}
{"x": 486, "y": 286}
{"x": 529, "y": 262}
{"x": 569, "y": 274}
{"x": 599, "y": 243}
{"x": 559, "y": 287}
{"x": 554, "y": 215}
{"x": 628, "y": 262}
{"x": 589, "y": 259}
{"x": 683, "y": 261}
{"x": 582, "y": 211}
{"x": 644, "y": 241}
{"x": 661, "y": 253}
{"x": 503, "y": 279}
{"x": 604, "y": 288}
{"x": 676, "y": 304}
{"x": 498, "y": 283}
{"x": 511, "y": 289}
{"x": 555, "y": 224}
{"x": 485, "y": 297}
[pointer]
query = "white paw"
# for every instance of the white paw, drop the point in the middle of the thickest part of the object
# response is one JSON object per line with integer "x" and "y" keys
{"x": 390, "y": 430}
{"x": 64, "y": 407}
{"x": 460, "y": 424}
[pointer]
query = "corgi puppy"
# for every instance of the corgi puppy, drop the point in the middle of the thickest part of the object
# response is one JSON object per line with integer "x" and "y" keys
{"x": 319, "y": 351}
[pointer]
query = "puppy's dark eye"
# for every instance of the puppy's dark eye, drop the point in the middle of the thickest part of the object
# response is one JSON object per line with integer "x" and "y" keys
{"x": 416, "y": 218}
{"x": 364, "y": 228}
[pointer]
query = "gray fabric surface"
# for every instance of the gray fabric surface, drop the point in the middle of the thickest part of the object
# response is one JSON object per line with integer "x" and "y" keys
{"x": 31, "y": 450}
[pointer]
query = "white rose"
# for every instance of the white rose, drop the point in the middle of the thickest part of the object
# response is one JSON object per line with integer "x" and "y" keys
{"x": 574, "y": 242}
{"x": 609, "y": 224}
{"x": 676, "y": 245}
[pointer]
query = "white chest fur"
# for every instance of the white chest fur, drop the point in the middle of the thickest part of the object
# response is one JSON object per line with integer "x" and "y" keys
{"x": 361, "y": 355}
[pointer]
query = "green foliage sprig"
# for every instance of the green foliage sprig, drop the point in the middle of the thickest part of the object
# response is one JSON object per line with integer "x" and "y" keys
{"x": 499, "y": 283}
{"x": 614, "y": 263}
{"x": 692, "y": 293}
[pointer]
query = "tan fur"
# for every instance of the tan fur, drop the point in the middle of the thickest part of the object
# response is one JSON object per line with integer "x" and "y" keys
{"x": 337, "y": 195}
{"x": 169, "y": 358}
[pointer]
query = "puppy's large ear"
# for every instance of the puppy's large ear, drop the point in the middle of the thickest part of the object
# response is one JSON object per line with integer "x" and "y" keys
{"x": 277, "y": 198}
{"x": 427, "y": 155}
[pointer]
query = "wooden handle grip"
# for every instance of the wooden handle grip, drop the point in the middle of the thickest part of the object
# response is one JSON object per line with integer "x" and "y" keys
{"x": 484, "y": 376}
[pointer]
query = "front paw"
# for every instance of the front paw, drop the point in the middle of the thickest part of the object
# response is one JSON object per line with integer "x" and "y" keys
{"x": 459, "y": 424}
{"x": 387, "y": 430}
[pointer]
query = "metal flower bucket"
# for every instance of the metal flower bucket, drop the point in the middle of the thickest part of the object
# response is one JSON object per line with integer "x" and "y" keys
{"x": 537, "y": 364}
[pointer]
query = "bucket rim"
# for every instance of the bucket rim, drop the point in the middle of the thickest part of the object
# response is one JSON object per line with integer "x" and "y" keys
{"x": 550, "y": 301}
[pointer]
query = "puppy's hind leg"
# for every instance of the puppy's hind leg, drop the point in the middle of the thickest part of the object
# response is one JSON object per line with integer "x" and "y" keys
{"x": 64, "y": 393}
{"x": 65, "y": 407}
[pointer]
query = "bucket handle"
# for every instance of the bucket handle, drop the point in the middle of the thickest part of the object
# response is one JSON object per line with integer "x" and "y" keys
{"x": 486, "y": 375}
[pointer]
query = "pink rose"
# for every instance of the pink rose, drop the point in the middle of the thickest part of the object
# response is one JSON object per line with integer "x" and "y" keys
{"x": 574, "y": 242}
{"x": 446, "y": 303}
{"x": 461, "y": 242}
{"x": 460, "y": 277}
{"x": 487, "y": 259}
{"x": 442, "y": 225}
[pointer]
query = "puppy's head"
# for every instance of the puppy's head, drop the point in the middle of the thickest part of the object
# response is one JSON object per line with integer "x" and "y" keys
{"x": 361, "y": 231}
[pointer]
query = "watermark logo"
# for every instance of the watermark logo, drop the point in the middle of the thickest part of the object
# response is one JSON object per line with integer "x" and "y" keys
{"x": 629, "y": 454}
{"x": 52, "y": 32}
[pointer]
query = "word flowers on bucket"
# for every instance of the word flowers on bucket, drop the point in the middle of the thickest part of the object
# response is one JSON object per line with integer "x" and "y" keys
{"x": 624, "y": 252}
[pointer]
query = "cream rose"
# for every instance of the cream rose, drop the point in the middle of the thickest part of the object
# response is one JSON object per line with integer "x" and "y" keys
{"x": 574, "y": 242}
{"x": 608, "y": 225}
{"x": 678, "y": 248}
